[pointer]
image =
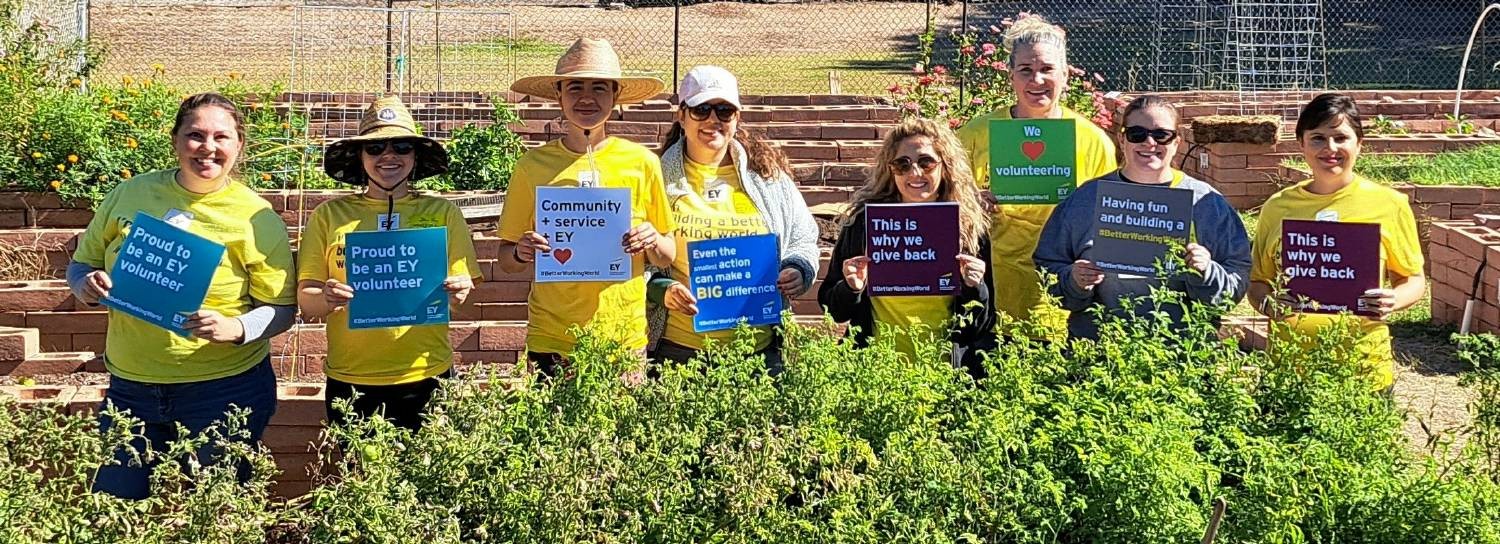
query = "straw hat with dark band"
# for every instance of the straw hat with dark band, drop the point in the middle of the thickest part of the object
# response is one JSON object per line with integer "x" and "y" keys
{"x": 590, "y": 59}
{"x": 385, "y": 119}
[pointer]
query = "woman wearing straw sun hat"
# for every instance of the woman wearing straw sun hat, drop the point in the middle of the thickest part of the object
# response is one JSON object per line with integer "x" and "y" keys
{"x": 588, "y": 84}
{"x": 394, "y": 369}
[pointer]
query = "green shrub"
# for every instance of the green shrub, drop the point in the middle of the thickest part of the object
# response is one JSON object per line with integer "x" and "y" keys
{"x": 481, "y": 158}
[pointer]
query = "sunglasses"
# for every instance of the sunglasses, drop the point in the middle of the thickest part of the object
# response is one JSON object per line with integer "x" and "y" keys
{"x": 725, "y": 112}
{"x": 1136, "y": 134}
{"x": 401, "y": 147}
{"x": 904, "y": 165}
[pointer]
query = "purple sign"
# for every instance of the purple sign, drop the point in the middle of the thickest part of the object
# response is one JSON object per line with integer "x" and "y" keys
{"x": 1330, "y": 264}
{"x": 913, "y": 248}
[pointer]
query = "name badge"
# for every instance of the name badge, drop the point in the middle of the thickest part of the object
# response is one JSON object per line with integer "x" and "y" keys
{"x": 588, "y": 179}
{"x": 178, "y": 218}
{"x": 391, "y": 222}
{"x": 1327, "y": 215}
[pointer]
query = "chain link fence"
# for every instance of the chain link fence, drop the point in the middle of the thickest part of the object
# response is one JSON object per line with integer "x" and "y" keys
{"x": 832, "y": 46}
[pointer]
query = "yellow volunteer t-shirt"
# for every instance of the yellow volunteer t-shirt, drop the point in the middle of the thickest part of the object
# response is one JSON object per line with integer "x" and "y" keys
{"x": 391, "y": 355}
{"x": 717, "y": 207}
{"x": 924, "y": 317}
{"x": 257, "y": 265}
{"x": 1362, "y": 201}
{"x": 1016, "y": 228}
{"x": 619, "y": 308}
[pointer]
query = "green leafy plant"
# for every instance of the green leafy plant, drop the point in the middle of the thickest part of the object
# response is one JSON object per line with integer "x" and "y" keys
{"x": 482, "y": 157}
{"x": 1461, "y": 124}
{"x": 1382, "y": 125}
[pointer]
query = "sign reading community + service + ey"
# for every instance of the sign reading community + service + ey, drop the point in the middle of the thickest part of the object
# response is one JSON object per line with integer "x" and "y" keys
{"x": 162, "y": 273}
{"x": 913, "y": 248}
{"x": 1135, "y": 226}
{"x": 1032, "y": 161}
{"x": 397, "y": 276}
{"x": 1328, "y": 265}
{"x": 585, "y": 227}
{"x": 734, "y": 279}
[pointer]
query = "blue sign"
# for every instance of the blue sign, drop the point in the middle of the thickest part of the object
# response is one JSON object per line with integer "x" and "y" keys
{"x": 162, "y": 273}
{"x": 397, "y": 277}
{"x": 734, "y": 279}
{"x": 585, "y": 227}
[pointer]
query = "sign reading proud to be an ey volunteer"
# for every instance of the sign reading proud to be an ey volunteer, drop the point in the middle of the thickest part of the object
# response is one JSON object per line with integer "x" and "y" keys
{"x": 734, "y": 279}
{"x": 162, "y": 273}
{"x": 1032, "y": 161}
{"x": 584, "y": 226}
{"x": 397, "y": 277}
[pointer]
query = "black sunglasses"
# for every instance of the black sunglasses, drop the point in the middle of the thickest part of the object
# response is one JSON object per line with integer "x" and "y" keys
{"x": 1137, "y": 135}
{"x": 904, "y": 165}
{"x": 725, "y": 112}
{"x": 401, "y": 147}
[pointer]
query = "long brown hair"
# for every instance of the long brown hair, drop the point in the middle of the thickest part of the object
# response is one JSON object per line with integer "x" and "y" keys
{"x": 957, "y": 184}
{"x": 765, "y": 160}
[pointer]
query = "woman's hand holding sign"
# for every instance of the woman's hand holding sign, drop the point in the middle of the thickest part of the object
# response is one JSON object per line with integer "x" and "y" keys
{"x": 789, "y": 282}
{"x": 96, "y": 286}
{"x": 972, "y": 269}
{"x": 458, "y": 288}
{"x": 214, "y": 327}
{"x": 1198, "y": 258}
{"x": 857, "y": 272}
{"x": 1380, "y": 301}
{"x": 529, "y": 245}
{"x": 679, "y": 299}
{"x": 337, "y": 294}
{"x": 1086, "y": 275}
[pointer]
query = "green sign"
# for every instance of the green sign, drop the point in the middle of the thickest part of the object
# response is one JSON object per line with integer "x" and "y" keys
{"x": 1032, "y": 161}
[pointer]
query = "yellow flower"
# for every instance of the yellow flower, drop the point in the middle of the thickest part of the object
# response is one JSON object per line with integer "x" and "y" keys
{"x": 2, "y": 68}
{"x": 266, "y": 177}
{"x": 146, "y": 82}
{"x": 103, "y": 177}
{"x": 76, "y": 82}
{"x": 119, "y": 115}
{"x": 158, "y": 68}
{"x": 73, "y": 159}
{"x": 125, "y": 172}
{"x": 285, "y": 126}
{"x": 62, "y": 167}
{"x": 131, "y": 143}
{"x": 46, "y": 135}
{"x": 234, "y": 75}
{"x": 36, "y": 154}
{"x": 127, "y": 80}
{"x": 107, "y": 101}
{"x": 56, "y": 184}
{"x": 156, "y": 113}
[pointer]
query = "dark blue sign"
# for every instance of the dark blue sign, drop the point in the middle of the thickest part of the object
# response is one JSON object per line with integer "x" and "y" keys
{"x": 734, "y": 279}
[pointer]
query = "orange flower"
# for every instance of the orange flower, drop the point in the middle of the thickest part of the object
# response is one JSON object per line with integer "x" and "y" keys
{"x": 76, "y": 82}
{"x": 131, "y": 143}
{"x": 265, "y": 177}
{"x": 56, "y": 184}
{"x": 285, "y": 126}
{"x": 119, "y": 115}
{"x": 73, "y": 159}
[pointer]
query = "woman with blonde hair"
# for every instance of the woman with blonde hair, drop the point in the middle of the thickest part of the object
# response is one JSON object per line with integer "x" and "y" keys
{"x": 1039, "y": 77}
{"x": 920, "y": 161}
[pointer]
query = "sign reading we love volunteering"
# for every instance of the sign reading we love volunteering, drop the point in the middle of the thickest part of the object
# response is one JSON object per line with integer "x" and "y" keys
{"x": 397, "y": 277}
{"x": 162, "y": 273}
{"x": 913, "y": 248}
{"x": 1032, "y": 161}
{"x": 1136, "y": 225}
{"x": 584, "y": 226}
{"x": 734, "y": 279}
{"x": 1330, "y": 264}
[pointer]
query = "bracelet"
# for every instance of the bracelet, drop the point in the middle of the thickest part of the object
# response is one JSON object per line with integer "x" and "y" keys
{"x": 515, "y": 251}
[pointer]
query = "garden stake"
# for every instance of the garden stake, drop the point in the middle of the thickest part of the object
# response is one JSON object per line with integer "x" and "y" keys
{"x": 1463, "y": 327}
{"x": 1213, "y": 523}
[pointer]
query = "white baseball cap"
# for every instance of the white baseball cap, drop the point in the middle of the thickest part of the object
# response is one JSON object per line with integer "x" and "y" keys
{"x": 704, "y": 83}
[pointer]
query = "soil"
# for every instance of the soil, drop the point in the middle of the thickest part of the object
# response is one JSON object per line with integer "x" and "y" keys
{"x": 1427, "y": 388}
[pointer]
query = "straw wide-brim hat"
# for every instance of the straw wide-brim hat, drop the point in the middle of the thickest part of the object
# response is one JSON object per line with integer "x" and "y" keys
{"x": 589, "y": 58}
{"x": 386, "y": 119}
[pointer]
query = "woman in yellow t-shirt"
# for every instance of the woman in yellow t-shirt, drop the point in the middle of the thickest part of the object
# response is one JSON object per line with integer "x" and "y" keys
{"x": 1329, "y": 129}
{"x": 588, "y": 84}
{"x": 724, "y": 182}
{"x": 163, "y": 379}
{"x": 395, "y": 370}
{"x": 920, "y": 161}
{"x": 1039, "y": 76}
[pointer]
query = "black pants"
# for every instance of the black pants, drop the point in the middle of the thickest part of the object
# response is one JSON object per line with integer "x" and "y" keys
{"x": 667, "y": 350}
{"x": 549, "y": 365}
{"x": 403, "y": 404}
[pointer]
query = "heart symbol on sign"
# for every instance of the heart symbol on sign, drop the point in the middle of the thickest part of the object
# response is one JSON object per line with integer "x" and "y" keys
{"x": 1033, "y": 149}
{"x": 562, "y": 255}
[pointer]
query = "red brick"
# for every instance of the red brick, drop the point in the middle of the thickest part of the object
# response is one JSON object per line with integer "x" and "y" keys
{"x": 16, "y": 200}
{"x": 502, "y": 336}
{"x": 463, "y": 337}
{"x": 86, "y": 399}
{"x": 1229, "y": 161}
{"x": 500, "y": 291}
{"x": 847, "y": 131}
{"x": 1229, "y": 150}
{"x": 56, "y": 342}
{"x": 466, "y": 312}
{"x": 292, "y": 438}
{"x": 810, "y": 150}
{"x": 51, "y": 364}
{"x": 791, "y": 131}
{"x": 62, "y": 218}
{"x": 507, "y": 357}
{"x": 855, "y": 151}
{"x": 95, "y": 365}
{"x": 290, "y": 489}
{"x": 12, "y": 219}
{"x": 503, "y": 311}
{"x": 301, "y": 340}
{"x": 54, "y": 395}
{"x": 826, "y": 195}
{"x": 299, "y": 404}
{"x": 295, "y": 466}
{"x": 35, "y": 295}
{"x": 18, "y": 344}
{"x": 806, "y": 307}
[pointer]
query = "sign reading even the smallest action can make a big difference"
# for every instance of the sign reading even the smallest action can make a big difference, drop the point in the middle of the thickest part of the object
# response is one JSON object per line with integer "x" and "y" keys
{"x": 1033, "y": 161}
{"x": 162, "y": 273}
{"x": 1329, "y": 265}
{"x": 397, "y": 276}
{"x": 734, "y": 280}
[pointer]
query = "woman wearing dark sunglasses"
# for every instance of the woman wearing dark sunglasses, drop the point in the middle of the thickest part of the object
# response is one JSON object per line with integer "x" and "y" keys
{"x": 1218, "y": 255}
{"x": 722, "y": 181}
{"x": 394, "y": 369}
{"x": 920, "y": 161}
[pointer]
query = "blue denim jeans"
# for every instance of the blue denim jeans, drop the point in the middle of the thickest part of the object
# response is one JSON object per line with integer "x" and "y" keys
{"x": 161, "y": 407}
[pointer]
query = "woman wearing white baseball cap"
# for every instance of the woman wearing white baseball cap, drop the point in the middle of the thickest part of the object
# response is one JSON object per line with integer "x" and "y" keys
{"x": 723, "y": 182}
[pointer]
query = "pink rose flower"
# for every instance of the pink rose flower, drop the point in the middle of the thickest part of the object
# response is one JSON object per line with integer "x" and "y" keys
{"x": 911, "y": 106}
{"x": 989, "y": 48}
